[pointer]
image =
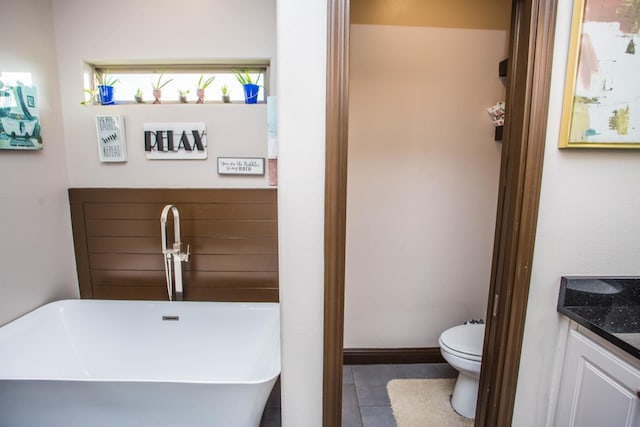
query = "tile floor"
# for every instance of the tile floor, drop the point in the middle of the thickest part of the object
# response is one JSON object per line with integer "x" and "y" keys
{"x": 365, "y": 402}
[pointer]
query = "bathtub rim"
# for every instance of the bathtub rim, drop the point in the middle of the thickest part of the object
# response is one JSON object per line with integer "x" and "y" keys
{"x": 127, "y": 301}
{"x": 273, "y": 374}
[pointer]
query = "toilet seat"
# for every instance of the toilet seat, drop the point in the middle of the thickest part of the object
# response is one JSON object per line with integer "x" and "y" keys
{"x": 464, "y": 341}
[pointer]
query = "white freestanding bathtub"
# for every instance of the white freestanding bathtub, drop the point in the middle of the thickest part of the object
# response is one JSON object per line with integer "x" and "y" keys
{"x": 81, "y": 363}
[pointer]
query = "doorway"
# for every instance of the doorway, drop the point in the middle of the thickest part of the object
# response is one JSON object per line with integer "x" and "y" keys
{"x": 531, "y": 43}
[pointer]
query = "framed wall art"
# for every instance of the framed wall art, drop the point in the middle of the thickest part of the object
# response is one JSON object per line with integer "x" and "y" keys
{"x": 19, "y": 117}
{"x": 601, "y": 107}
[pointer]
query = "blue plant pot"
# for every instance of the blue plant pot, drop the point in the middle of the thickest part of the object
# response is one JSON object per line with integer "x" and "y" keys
{"x": 106, "y": 94}
{"x": 251, "y": 93}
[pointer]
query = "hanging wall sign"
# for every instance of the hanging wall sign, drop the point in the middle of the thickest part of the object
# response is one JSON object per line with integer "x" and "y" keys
{"x": 240, "y": 166}
{"x": 111, "y": 141}
{"x": 175, "y": 141}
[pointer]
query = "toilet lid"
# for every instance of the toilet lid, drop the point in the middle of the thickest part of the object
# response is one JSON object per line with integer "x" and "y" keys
{"x": 466, "y": 339}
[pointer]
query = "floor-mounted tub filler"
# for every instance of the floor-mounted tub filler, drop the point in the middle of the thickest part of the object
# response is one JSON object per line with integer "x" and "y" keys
{"x": 79, "y": 363}
{"x": 172, "y": 253}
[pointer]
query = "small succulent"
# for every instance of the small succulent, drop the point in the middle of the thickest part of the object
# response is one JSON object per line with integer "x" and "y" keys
{"x": 203, "y": 84}
{"x": 138, "y": 96}
{"x": 244, "y": 78}
{"x": 160, "y": 84}
{"x": 92, "y": 95}
{"x": 104, "y": 79}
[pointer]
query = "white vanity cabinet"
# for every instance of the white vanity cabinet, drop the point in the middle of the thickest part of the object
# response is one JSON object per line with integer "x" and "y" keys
{"x": 598, "y": 388}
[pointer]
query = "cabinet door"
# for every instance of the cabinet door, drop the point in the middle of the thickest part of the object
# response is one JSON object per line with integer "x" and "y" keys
{"x": 597, "y": 388}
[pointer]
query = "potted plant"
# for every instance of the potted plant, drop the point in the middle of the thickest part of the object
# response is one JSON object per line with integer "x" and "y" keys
{"x": 226, "y": 98}
{"x": 92, "y": 96}
{"x": 183, "y": 95}
{"x": 138, "y": 96}
{"x": 202, "y": 86}
{"x": 157, "y": 88}
{"x": 251, "y": 87}
{"x": 105, "y": 87}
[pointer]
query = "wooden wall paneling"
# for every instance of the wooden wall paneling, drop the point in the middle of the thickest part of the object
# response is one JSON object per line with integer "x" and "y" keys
{"x": 174, "y": 195}
{"x": 208, "y": 210}
{"x": 158, "y": 293}
{"x": 129, "y": 261}
{"x": 204, "y": 245}
{"x": 80, "y": 248}
{"x": 231, "y": 295}
{"x": 188, "y": 228}
{"x": 232, "y": 234}
{"x": 217, "y": 279}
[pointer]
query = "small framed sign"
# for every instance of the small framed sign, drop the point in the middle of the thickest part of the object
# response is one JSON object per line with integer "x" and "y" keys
{"x": 111, "y": 141}
{"x": 240, "y": 166}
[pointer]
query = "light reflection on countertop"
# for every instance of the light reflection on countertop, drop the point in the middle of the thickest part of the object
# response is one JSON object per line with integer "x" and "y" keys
{"x": 608, "y": 306}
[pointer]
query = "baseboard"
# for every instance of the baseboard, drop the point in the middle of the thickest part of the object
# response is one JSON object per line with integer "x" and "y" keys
{"x": 375, "y": 356}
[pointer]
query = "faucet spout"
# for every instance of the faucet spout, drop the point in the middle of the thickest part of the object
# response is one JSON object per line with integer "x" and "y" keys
{"x": 172, "y": 253}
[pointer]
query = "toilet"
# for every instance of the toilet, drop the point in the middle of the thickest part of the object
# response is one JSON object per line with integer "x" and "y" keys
{"x": 461, "y": 347}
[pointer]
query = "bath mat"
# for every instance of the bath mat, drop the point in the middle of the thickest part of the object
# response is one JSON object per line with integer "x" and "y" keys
{"x": 424, "y": 403}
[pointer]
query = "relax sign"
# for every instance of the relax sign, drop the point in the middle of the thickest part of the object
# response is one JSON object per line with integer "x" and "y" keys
{"x": 175, "y": 141}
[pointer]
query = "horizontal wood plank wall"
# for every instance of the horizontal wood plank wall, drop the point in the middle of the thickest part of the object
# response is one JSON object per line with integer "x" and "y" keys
{"x": 233, "y": 235}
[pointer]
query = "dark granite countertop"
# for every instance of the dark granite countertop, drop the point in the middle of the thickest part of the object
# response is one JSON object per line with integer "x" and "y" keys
{"x": 608, "y": 306}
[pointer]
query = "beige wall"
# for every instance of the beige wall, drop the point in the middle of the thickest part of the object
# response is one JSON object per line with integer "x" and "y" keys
{"x": 587, "y": 225}
{"x": 487, "y": 14}
{"x": 143, "y": 31}
{"x": 36, "y": 254}
{"x": 423, "y": 181}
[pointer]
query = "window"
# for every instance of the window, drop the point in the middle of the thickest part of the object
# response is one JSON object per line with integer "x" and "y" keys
{"x": 176, "y": 80}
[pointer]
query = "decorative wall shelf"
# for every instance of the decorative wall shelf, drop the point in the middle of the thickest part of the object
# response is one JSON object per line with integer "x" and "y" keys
{"x": 502, "y": 73}
{"x": 502, "y": 68}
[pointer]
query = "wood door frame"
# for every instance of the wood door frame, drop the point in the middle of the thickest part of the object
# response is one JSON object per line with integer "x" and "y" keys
{"x": 531, "y": 56}
{"x": 531, "y": 48}
{"x": 337, "y": 112}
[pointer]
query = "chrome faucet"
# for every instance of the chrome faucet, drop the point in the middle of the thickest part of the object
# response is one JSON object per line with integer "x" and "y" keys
{"x": 174, "y": 257}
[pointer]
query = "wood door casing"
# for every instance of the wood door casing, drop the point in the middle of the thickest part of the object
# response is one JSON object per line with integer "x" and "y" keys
{"x": 533, "y": 24}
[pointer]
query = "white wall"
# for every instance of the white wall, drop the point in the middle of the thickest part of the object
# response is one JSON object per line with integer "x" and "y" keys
{"x": 301, "y": 130}
{"x": 144, "y": 30}
{"x": 36, "y": 255}
{"x": 588, "y": 225}
{"x": 423, "y": 181}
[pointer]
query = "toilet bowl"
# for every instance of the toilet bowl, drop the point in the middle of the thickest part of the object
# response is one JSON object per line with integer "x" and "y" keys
{"x": 461, "y": 347}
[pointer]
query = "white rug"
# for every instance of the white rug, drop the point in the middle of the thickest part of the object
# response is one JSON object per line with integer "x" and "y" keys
{"x": 424, "y": 403}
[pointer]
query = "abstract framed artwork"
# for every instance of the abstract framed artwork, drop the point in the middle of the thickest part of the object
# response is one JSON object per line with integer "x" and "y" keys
{"x": 601, "y": 107}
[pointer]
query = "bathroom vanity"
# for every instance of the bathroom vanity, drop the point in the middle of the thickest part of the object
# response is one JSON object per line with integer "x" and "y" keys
{"x": 600, "y": 383}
